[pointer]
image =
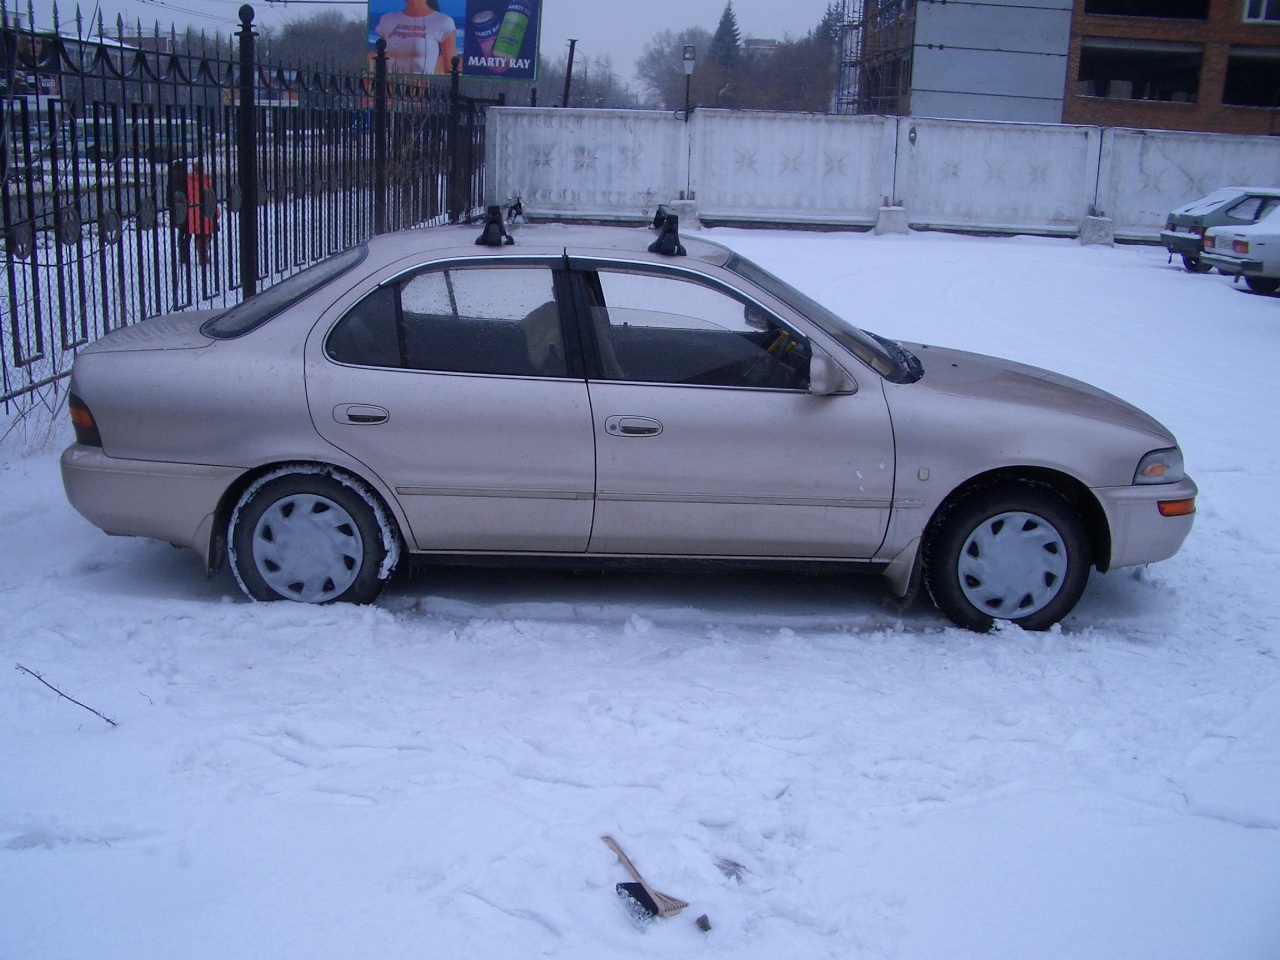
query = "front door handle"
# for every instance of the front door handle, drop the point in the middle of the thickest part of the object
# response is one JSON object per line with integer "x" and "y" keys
{"x": 360, "y": 413}
{"x": 633, "y": 426}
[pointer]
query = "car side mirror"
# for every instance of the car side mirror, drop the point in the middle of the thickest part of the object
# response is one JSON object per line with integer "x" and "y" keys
{"x": 826, "y": 377}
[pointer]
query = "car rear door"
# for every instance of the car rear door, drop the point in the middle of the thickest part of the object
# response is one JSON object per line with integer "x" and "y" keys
{"x": 454, "y": 386}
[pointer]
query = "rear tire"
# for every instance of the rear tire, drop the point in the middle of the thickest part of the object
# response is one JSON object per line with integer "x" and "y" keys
{"x": 1194, "y": 264}
{"x": 1011, "y": 551}
{"x": 1265, "y": 285}
{"x": 310, "y": 535}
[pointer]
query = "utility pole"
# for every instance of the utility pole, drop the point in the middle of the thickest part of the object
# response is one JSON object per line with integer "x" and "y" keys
{"x": 568, "y": 74}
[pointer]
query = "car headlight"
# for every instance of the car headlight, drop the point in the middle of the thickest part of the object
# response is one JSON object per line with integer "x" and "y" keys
{"x": 1160, "y": 466}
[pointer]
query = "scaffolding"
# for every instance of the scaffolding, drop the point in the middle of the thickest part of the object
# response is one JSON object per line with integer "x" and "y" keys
{"x": 849, "y": 79}
{"x": 876, "y": 42}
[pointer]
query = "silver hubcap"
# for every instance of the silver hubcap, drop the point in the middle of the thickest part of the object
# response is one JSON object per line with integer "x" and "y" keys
{"x": 307, "y": 548}
{"x": 1012, "y": 565}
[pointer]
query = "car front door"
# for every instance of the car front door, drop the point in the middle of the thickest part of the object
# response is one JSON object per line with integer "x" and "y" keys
{"x": 708, "y": 440}
{"x": 453, "y": 385}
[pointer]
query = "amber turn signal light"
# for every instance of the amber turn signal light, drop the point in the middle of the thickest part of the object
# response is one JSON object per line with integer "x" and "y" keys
{"x": 82, "y": 420}
{"x": 1177, "y": 508}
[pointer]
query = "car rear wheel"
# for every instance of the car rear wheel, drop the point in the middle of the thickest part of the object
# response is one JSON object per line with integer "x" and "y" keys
{"x": 1195, "y": 264}
{"x": 1262, "y": 284}
{"x": 311, "y": 535}
{"x": 1010, "y": 551}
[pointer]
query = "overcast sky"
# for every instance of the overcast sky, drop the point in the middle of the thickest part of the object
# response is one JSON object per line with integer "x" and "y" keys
{"x": 616, "y": 28}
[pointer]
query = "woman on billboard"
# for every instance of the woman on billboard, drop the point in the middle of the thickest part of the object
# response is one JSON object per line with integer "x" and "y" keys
{"x": 420, "y": 39}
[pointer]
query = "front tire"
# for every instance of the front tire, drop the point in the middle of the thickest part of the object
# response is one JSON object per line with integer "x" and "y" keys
{"x": 310, "y": 535}
{"x": 1262, "y": 284}
{"x": 1012, "y": 551}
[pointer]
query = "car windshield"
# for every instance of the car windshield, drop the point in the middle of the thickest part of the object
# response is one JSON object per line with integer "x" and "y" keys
{"x": 260, "y": 308}
{"x": 886, "y": 357}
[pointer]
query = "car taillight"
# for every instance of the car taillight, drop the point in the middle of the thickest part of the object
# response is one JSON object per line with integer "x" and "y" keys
{"x": 1240, "y": 246}
{"x": 1199, "y": 231}
{"x": 82, "y": 420}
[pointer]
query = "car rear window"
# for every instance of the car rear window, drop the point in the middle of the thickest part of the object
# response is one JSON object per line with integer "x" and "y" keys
{"x": 260, "y": 308}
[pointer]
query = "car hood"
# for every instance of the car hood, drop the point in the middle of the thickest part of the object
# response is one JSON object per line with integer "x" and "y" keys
{"x": 174, "y": 331}
{"x": 989, "y": 379}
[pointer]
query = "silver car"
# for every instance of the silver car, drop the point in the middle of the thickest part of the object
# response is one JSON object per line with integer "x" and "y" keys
{"x": 587, "y": 397}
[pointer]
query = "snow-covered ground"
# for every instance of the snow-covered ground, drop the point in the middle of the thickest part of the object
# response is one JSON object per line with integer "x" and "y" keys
{"x": 818, "y": 773}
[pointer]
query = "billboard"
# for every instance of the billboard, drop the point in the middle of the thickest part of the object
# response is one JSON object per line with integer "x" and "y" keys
{"x": 496, "y": 39}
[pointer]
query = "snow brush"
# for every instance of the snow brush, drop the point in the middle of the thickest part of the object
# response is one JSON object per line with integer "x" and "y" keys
{"x": 653, "y": 903}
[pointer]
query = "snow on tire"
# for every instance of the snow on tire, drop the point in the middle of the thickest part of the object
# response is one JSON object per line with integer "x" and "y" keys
{"x": 311, "y": 534}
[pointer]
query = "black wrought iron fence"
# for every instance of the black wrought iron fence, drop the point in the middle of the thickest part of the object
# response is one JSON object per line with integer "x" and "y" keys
{"x": 139, "y": 181}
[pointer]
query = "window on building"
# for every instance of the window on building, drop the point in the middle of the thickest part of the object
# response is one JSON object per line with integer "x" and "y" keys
{"x": 1253, "y": 77}
{"x": 1139, "y": 69}
{"x": 1262, "y": 10}
{"x": 1176, "y": 9}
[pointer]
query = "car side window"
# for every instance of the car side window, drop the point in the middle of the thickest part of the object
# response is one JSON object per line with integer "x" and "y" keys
{"x": 488, "y": 319}
{"x": 1248, "y": 210}
{"x": 485, "y": 319}
{"x": 659, "y": 328}
{"x": 368, "y": 335}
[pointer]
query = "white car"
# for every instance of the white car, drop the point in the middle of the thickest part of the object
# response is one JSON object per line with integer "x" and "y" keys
{"x": 1251, "y": 250}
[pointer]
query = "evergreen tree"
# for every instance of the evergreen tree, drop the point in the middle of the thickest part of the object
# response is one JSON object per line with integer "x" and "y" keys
{"x": 828, "y": 31}
{"x": 726, "y": 43}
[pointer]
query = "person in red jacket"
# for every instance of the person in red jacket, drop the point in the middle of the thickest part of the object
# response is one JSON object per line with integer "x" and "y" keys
{"x": 202, "y": 210}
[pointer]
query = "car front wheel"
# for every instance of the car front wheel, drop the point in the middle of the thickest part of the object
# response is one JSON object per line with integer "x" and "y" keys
{"x": 311, "y": 535}
{"x": 1011, "y": 551}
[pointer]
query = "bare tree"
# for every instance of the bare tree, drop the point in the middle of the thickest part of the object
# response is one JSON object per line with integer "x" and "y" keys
{"x": 660, "y": 68}
{"x": 326, "y": 39}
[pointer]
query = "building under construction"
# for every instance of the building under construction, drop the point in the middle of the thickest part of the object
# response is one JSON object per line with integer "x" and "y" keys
{"x": 990, "y": 60}
{"x": 875, "y": 56}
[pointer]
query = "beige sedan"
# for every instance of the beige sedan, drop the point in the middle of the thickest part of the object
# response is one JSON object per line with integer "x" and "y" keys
{"x": 579, "y": 398}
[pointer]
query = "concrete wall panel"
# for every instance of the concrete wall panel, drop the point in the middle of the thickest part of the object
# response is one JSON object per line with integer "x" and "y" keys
{"x": 609, "y": 164}
{"x": 1005, "y": 176}
{"x": 1147, "y": 173}
{"x": 808, "y": 168}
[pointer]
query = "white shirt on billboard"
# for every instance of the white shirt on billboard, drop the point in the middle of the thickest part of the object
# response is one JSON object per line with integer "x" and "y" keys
{"x": 413, "y": 43}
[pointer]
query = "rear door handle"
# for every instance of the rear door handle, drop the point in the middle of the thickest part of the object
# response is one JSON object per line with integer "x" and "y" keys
{"x": 360, "y": 413}
{"x": 633, "y": 426}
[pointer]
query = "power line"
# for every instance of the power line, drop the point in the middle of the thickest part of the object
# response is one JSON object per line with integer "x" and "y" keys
{"x": 188, "y": 11}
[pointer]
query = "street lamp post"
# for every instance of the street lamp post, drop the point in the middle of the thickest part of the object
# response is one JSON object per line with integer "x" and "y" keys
{"x": 690, "y": 59}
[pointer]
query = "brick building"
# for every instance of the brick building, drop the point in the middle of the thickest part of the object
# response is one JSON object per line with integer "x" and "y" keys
{"x": 1206, "y": 65}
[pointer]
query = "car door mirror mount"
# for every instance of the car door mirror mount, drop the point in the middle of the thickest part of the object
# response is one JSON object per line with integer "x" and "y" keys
{"x": 826, "y": 377}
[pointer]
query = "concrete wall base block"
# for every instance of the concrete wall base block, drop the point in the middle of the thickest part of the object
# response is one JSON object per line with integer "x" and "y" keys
{"x": 687, "y": 211}
{"x": 892, "y": 220}
{"x": 1098, "y": 230}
